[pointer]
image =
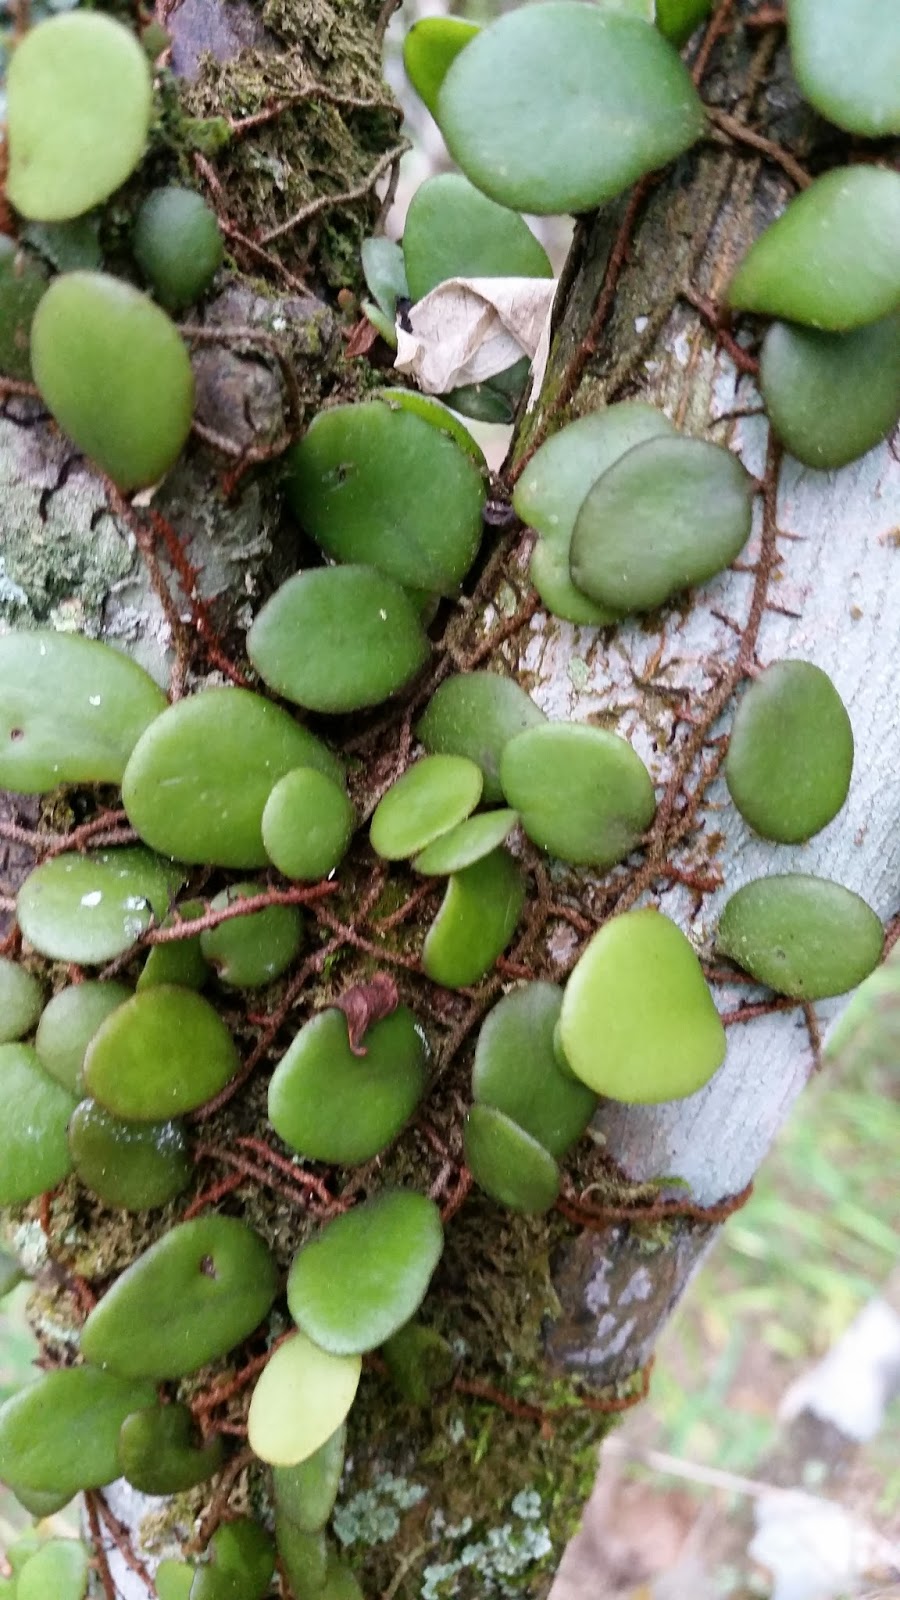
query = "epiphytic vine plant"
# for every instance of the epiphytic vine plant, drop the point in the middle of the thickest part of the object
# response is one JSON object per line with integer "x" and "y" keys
{"x": 120, "y": 1074}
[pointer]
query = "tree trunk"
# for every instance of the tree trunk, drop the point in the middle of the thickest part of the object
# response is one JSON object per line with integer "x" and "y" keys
{"x": 553, "y": 1320}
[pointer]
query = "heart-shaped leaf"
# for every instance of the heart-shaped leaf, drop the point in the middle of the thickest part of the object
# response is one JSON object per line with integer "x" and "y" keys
{"x": 430, "y": 46}
{"x": 801, "y": 935}
{"x": 80, "y": 98}
{"x": 177, "y": 245}
{"x": 68, "y": 1024}
{"x": 59, "y": 1434}
{"x": 507, "y": 1162}
{"x": 790, "y": 754}
{"x": 164, "y": 1052}
{"x": 92, "y": 908}
{"x": 628, "y": 106}
{"x": 516, "y": 1070}
{"x": 477, "y": 919}
{"x": 846, "y": 59}
{"x": 431, "y": 797}
{"x": 34, "y": 1155}
{"x": 832, "y": 259}
{"x": 333, "y": 1104}
{"x": 374, "y": 483}
{"x": 198, "y": 781}
{"x": 307, "y": 824}
{"x": 338, "y": 639}
{"x": 831, "y": 397}
{"x": 159, "y": 1454}
{"x": 194, "y": 1295}
{"x": 669, "y": 514}
{"x": 454, "y": 231}
{"x": 304, "y": 1394}
{"x": 475, "y": 714}
{"x": 71, "y": 710}
{"x": 582, "y": 793}
{"x": 359, "y": 1280}
{"x": 114, "y": 371}
{"x": 638, "y": 1022}
{"x": 131, "y": 1166}
{"x": 247, "y": 952}
{"x": 21, "y": 1000}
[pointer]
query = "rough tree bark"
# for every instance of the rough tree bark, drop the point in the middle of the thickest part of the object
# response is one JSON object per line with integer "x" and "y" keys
{"x": 553, "y": 1320}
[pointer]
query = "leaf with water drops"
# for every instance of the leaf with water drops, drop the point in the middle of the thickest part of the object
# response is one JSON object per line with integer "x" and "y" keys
{"x": 198, "y": 781}
{"x": 832, "y": 259}
{"x": 34, "y": 1155}
{"x": 475, "y": 714}
{"x": 452, "y": 230}
{"x": 516, "y": 1071}
{"x": 333, "y": 1104}
{"x": 58, "y": 1435}
{"x": 68, "y": 1024}
{"x": 80, "y": 99}
{"x": 629, "y": 107}
{"x": 830, "y": 397}
{"x": 478, "y": 917}
{"x": 337, "y": 639}
{"x": 115, "y": 373}
{"x": 582, "y": 793}
{"x": 846, "y": 59}
{"x": 803, "y": 936}
{"x": 507, "y": 1162}
{"x": 21, "y": 1000}
{"x": 307, "y": 824}
{"x": 374, "y": 483}
{"x": 194, "y": 1295}
{"x": 304, "y": 1394}
{"x": 668, "y": 514}
{"x": 790, "y": 754}
{"x": 71, "y": 710}
{"x": 131, "y": 1166}
{"x": 431, "y": 797}
{"x": 638, "y": 1022}
{"x": 164, "y": 1052}
{"x": 91, "y": 908}
{"x": 358, "y": 1281}
{"x": 247, "y": 952}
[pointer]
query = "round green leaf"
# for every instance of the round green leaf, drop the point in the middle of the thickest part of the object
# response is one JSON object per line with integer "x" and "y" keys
{"x": 678, "y": 19}
{"x": 560, "y": 107}
{"x": 832, "y": 259}
{"x": 305, "y": 1494}
{"x": 304, "y": 1394}
{"x": 831, "y": 396}
{"x": 454, "y": 231}
{"x": 307, "y": 824}
{"x": 638, "y": 1022}
{"x": 178, "y": 961}
{"x": 430, "y": 46}
{"x": 22, "y": 285}
{"x": 438, "y": 415}
{"x": 92, "y": 908}
{"x": 790, "y": 754}
{"x": 477, "y": 919}
{"x": 551, "y": 490}
{"x": 549, "y": 572}
{"x": 68, "y": 1024}
{"x": 59, "y": 1434}
{"x": 333, "y": 1105}
{"x": 114, "y": 371}
{"x": 430, "y": 798}
{"x": 374, "y": 483}
{"x": 80, "y": 98}
{"x": 669, "y": 514}
{"x": 159, "y": 1454}
{"x": 164, "y": 1052}
{"x": 516, "y": 1070}
{"x": 198, "y": 781}
{"x": 173, "y": 1580}
{"x": 21, "y": 1000}
{"x": 507, "y": 1163}
{"x": 471, "y": 841}
{"x": 34, "y": 1155}
{"x": 131, "y": 1166}
{"x": 582, "y": 792}
{"x": 247, "y": 952}
{"x": 240, "y": 1565}
{"x": 475, "y": 714}
{"x": 177, "y": 245}
{"x": 367, "y": 1272}
{"x": 59, "y": 1571}
{"x": 338, "y": 639}
{"x": 846, "y": 59}
{"x": 194, "y": 1295}
{"x": 71, "y": 710}
{"x": 803, "y": 936}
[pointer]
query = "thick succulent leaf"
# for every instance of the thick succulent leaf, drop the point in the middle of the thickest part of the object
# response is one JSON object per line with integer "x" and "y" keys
{"x": 164, "y": 1052}
{"x": 803, "y": 936}
{"x": 790, "y": 753}
{"x": 34, "y": 1155}
{"x": 507, "y": 1162}
{"x": 517, "y": 1072}
{"x": 846, "y": 59}
{"x": 831, "y": 396}
{"x": 477, "y": 919}
{"x": 582, "y": 793}
{"x": 452, "y": 230}
{"x": 475, "y": 714}
{"x": 304, "y": 1394}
